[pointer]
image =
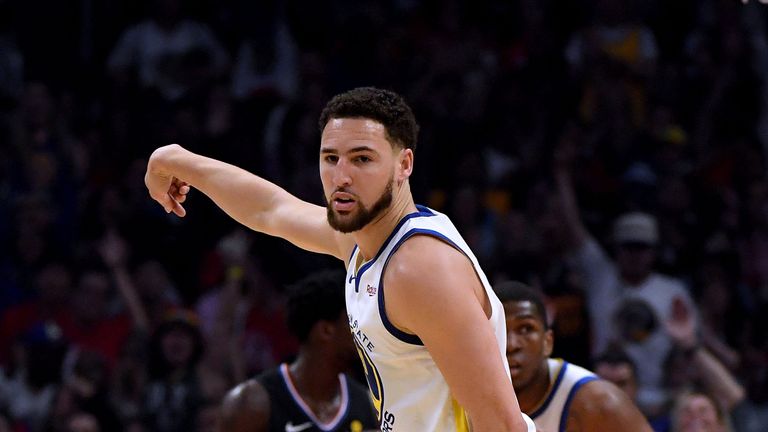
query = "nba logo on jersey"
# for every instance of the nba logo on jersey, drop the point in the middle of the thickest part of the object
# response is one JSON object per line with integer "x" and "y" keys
{"x": 371, "y": 290}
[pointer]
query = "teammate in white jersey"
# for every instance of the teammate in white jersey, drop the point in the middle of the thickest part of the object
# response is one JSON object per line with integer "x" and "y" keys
{"x": 558, "y": 396}
{"x": 435, "y": 297}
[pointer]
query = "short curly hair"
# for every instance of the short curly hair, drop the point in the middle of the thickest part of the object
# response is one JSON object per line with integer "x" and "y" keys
{"x": 514, "y": 291}
{"x": 383, "y": 106}
{"x": 317, "y": 297}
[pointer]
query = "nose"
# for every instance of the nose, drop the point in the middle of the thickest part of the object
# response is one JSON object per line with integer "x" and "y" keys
{"x": 341, "y": 177}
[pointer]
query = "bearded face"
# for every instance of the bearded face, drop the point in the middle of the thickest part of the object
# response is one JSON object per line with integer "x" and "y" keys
{"x": 352, "y": 215}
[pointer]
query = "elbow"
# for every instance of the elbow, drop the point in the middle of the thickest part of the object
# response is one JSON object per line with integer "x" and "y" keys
{"x": 737, "y": 396}
{"x": 167, "y": 150}
{"x": 159, "y": 159}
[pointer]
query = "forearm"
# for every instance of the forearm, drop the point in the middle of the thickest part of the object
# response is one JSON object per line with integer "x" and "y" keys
{"x": 130, "y": 297}
{"x": 717, "y": 378}
{"x": 226, "y": 328}
{"x": 242, "y": 195}
{"x": 570, "y": 207}
{"x": 727, "y": 355}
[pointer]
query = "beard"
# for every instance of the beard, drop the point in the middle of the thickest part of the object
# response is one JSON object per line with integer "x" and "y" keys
{"x": 364, "y": 216}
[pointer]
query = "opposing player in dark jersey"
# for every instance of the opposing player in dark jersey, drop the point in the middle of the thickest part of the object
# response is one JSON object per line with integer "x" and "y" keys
{"x": 557, "y": 395}
{"x": 313, "y": 393}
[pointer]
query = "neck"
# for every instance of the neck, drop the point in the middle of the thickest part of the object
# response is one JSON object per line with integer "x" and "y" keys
{"x": 531, "y": 396}
{"x": 313, "y": 383}
{"x": 372, "y": 236}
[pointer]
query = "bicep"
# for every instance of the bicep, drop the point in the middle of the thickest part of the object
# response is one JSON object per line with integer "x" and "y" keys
{"x": 442, "y": 308}
{"x": 600, "y": 405}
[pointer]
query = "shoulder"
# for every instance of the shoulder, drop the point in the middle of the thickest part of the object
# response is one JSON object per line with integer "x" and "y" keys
{"x": 424, "y": 279}
{"x": 591, "y": 253}
{"x": 600, "y": 405}
{"x": 425, "y": 264}
{"x": 424, "y": 255}
{"x": 246, "y": 404}
{"x": 598, "y": 395}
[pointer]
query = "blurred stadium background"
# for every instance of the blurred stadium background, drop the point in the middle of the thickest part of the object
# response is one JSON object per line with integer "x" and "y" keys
{"x": 106, "y": 302}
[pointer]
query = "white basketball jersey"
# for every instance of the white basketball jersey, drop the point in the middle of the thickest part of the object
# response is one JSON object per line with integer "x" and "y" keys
{"x": 566, "y": 379}
{"x": 407, "y": 389}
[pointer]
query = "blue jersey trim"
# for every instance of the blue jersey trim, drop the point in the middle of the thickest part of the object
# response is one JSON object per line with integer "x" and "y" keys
{"x": 422, "y": 212}
{"x": 349, "y": 264}
{"x": 394, "y": 331}
{"x": 571, "y": 394}
{"x": 552, "y": 391}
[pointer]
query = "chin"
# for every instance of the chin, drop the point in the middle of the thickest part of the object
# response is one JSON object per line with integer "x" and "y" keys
{"x": 520, "y": 380}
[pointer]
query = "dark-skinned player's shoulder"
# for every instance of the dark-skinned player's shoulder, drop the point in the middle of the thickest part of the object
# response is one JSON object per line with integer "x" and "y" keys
{"x": 600, "y": 405}
{"x": 246, "y": 408}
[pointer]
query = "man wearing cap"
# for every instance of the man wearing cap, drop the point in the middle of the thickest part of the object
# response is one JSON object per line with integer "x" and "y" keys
{"x": 628, "y": 302}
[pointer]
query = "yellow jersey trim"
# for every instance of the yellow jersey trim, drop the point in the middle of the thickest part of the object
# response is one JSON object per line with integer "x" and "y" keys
{"x": 460, "y": 417}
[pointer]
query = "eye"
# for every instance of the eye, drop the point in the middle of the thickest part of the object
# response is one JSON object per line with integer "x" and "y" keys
{"x": 525, "y": 329}
{"x": 362, "y": 159}
{"x": 331, "y": 158}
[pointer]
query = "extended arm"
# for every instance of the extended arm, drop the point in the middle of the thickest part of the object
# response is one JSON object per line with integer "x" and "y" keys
{"x": 112, "y": 249}
{"x": 682, "y": 327}
{"x": 245, "y": 408}
{"x": 564, "y": 155}
{"x": 600, "y": 405}
{"x": 444, "y": 307}
{"x": 717, "y": 378}
{"x": 247, "y": 198}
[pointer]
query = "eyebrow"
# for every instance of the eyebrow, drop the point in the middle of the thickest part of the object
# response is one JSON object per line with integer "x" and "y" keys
{"x": 526, "y": 316}
{"x": 326, "y": 150}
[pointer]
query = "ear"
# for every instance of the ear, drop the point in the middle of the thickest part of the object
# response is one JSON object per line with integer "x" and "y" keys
{"x": 325, "y": 329}
{"x": 404, "y": 165}
{"x": 549, "y": 342}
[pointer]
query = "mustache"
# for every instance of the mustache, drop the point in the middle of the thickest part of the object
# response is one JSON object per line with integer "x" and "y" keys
{"x": 343, "y": 190}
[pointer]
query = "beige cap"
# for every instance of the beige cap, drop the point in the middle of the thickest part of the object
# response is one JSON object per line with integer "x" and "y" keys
{"x": 636, "y": 227}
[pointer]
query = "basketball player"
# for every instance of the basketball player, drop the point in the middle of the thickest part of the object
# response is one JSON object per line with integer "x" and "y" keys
{"x": 558, "y": 396}
{"x": 427, "y": 324}
{"x": 312, "y": 394}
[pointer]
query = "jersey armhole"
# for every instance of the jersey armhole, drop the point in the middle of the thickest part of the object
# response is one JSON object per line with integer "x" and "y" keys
{"x": 391, "y": 328}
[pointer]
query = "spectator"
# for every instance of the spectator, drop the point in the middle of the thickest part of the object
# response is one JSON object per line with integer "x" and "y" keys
{"x": 88, "y": 383}
{"x": 40, "y": 315}
{"x": 31, "y": 391}
{"x": 243, "y": 319}
{"x": 169, "y": 53}
{"x": 615, "y": 366}
{"x": 697, "y": 411}
{"x": 89, "y": 323}
{"x": 692, "y": 365}
{"x": 267, "y": 60}
{"x": 173, "y": 394}
{"x": 627, "y": 301}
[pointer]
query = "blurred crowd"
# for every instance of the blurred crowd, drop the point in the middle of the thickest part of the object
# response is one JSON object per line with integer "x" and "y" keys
{"x": 610, "y": 153}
